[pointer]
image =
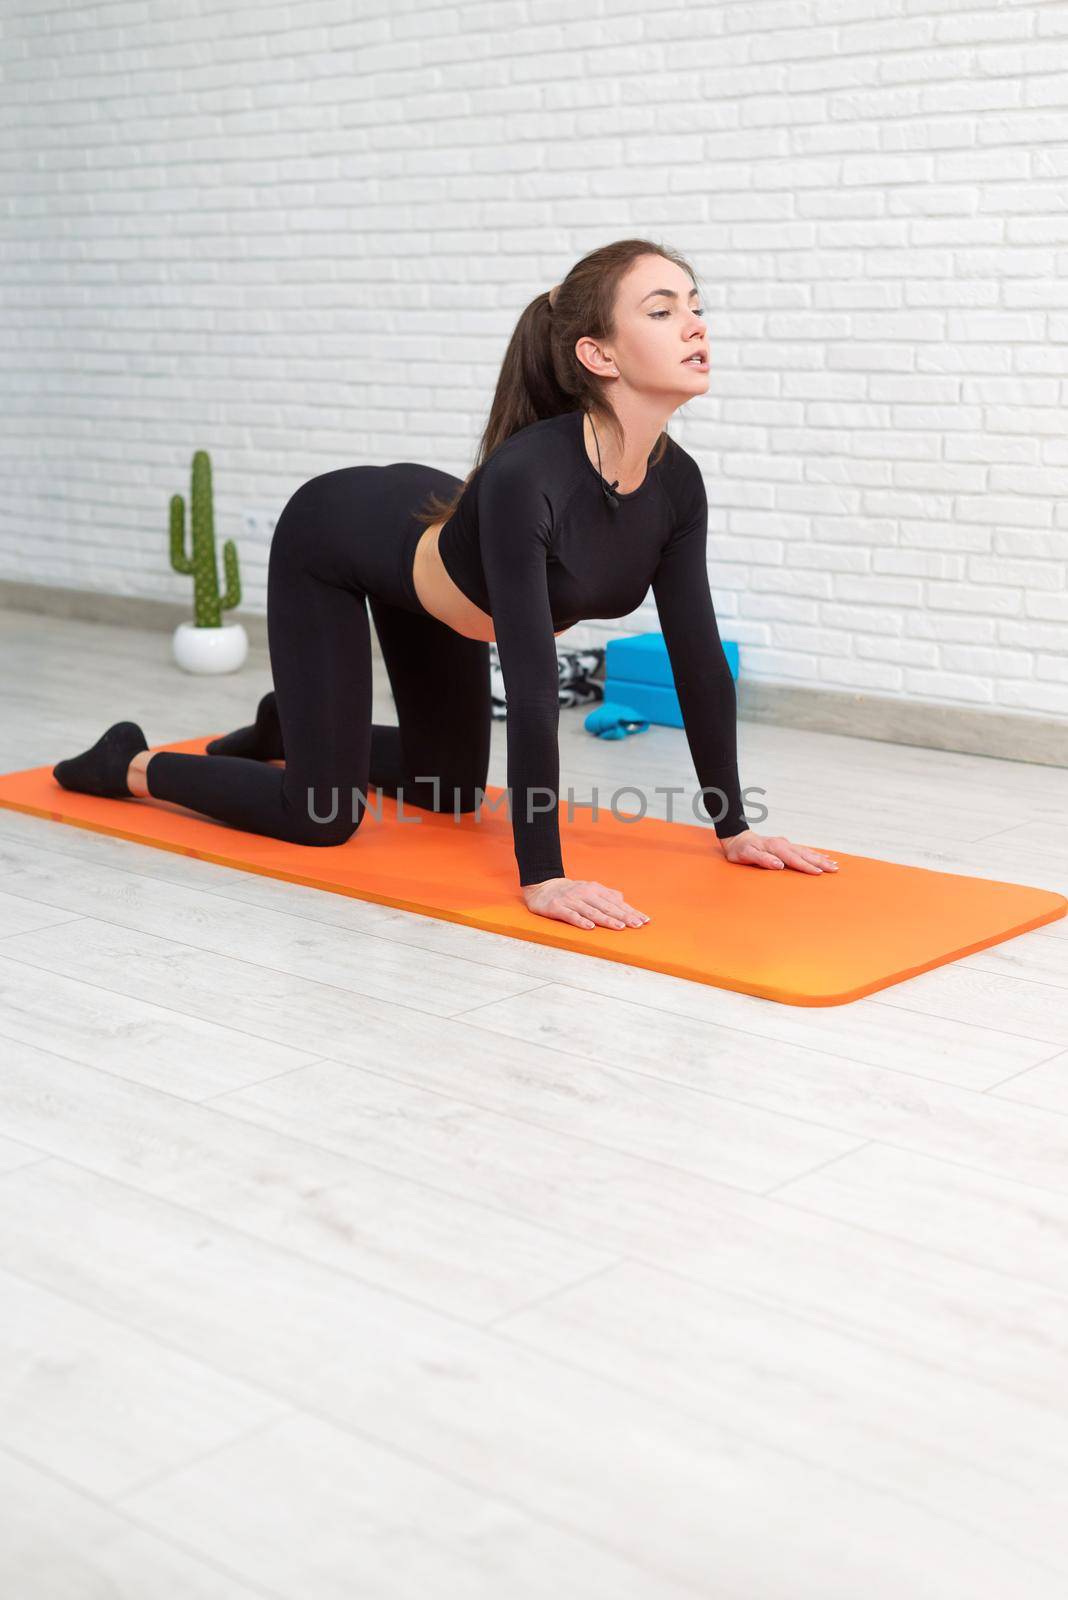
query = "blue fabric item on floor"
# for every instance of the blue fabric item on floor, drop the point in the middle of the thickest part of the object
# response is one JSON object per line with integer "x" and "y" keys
{"x": 613, "y": 720}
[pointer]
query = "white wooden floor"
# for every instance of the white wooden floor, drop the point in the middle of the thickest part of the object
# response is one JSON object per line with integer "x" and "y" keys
{"x": 347, "y": 1253}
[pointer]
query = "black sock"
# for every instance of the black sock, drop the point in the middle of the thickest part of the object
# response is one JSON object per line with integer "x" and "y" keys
{"x": 261, "y": 741}
{"x": 102, "y": 770}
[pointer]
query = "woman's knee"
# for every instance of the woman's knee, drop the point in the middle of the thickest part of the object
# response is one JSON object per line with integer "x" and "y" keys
{"x": 329, "y": 833}
{"x": 321, "y": 818}
{"x": 442, "y": 792}
{"x": 467, "y": 796}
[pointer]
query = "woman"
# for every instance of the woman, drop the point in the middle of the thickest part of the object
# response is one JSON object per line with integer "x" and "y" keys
{"x": 536, "y": 538}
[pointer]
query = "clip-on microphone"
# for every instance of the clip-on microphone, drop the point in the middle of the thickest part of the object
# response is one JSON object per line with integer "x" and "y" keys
{"x": 606, "y": 488}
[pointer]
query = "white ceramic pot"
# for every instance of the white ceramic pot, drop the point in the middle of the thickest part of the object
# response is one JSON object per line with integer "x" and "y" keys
{"x": 221, "y": 649}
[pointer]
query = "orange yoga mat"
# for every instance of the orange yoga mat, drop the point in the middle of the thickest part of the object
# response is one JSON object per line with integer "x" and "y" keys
{"x": 801, "y": 938}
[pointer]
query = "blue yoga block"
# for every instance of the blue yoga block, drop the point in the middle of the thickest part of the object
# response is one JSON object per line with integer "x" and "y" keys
{"x": 638, "y": 671}
{"x": 651, "y": 701}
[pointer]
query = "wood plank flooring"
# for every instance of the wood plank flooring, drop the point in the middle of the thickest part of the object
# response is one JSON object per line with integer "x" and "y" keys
{"x": 349, "y": 1253}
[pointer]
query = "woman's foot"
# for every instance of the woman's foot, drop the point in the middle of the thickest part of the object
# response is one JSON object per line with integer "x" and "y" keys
{"x": 261, "y": 741}
{"x": 102, "y": 769}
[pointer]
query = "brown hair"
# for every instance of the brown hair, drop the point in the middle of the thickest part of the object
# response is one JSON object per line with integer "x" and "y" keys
{"x": 541, "y": 376}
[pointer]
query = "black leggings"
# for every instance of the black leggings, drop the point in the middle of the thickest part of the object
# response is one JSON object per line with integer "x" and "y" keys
{"x": 344, "y": 540}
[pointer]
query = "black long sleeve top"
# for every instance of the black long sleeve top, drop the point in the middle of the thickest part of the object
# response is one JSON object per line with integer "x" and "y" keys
{"x": 534, "y": 543}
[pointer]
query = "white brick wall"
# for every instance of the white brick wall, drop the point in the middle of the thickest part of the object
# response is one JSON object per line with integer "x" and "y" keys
{"x": 298, "y": 236}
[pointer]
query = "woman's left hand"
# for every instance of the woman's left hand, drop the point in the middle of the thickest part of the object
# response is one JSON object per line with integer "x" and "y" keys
{"x": 751, "y": 849}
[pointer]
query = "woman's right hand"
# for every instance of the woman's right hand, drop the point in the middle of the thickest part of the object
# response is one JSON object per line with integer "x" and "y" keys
{"x": 583, "y": 902}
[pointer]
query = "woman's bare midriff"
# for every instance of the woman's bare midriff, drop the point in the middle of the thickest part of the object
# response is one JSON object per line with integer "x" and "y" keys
{"x": 441, "y": 597}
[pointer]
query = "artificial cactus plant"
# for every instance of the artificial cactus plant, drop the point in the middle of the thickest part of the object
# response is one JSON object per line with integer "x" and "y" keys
{"x": 207, "y": 605}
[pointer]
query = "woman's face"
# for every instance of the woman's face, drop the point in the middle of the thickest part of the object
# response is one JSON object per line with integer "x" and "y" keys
{"x": 660, "y": 344}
